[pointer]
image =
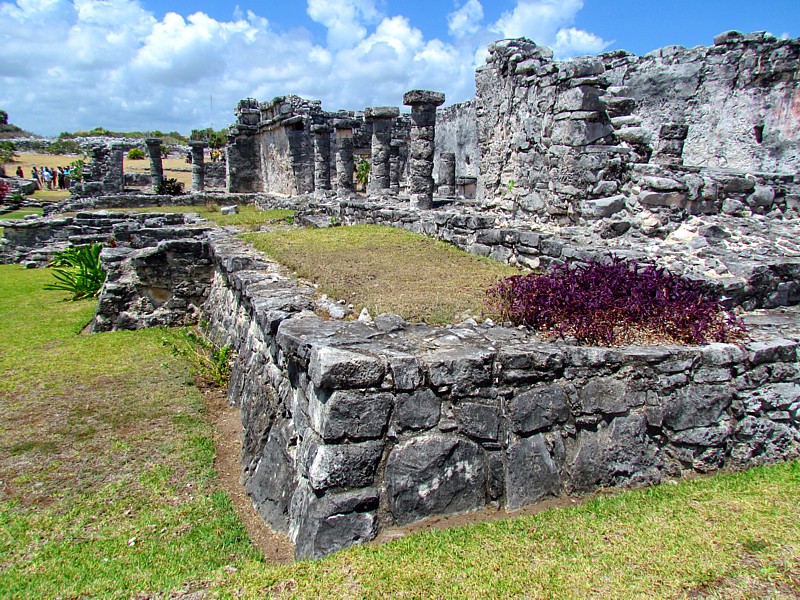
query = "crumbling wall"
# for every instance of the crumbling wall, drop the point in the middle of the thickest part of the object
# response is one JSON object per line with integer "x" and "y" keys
{"x": 457, "y": 132}
{"x": 740, "y": 98}
{"x": 564, "y": 141}
{"x": 353, "y": 427}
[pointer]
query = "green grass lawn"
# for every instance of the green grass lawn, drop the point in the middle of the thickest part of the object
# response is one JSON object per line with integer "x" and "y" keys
{"x": 107, "y": 489}
{"x": 247, "y": 217}
{"x": 21, "y": 214}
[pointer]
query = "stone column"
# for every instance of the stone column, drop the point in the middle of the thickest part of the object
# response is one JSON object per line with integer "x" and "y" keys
{"x": 115, "y": 177}
{"x": 395, "y": 171}
{"x": 198, "y": 166}
{"x": 156, "y": 168}
{"x": 671, "y": 139}
{"x": 345, "y": 164}
{"x": 447, "y": 174}
{"x": 322, "y": 156}
{"x": 423, "y": 129}
{"x": 382, "y": 118}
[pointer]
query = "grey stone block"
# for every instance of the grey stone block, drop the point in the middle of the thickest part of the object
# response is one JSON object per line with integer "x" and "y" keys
{"x": 696, "y": 406}
{"x": 349, "y": 414}
{"x": 478, "y": 421}
{"x": 335, "y": 368}
{"x": 417, "y": 410}
{"x": 532, "y": 474}
{"x": 537, "y": 409}
{"x": 434, "y": 475}
{"x": 340, "y": 465}
{"x": 332, "y": 522}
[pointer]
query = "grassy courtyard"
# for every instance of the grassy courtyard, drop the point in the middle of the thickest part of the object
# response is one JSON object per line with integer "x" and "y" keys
{"x": 108, "y": 489}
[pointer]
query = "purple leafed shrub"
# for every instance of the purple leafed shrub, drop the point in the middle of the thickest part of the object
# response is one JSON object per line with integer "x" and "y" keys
{"x": 614, "y": 302}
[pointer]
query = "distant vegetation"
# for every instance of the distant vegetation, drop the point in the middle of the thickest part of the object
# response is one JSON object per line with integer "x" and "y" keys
{"x": 172, "y": 137}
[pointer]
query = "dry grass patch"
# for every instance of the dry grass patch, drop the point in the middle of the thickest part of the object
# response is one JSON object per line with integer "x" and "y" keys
{"x": 387, "y": 270}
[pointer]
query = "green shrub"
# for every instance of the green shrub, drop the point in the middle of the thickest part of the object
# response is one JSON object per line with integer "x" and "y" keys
{"x": 170, "y": 187}
{"x": 78, "y": 270}
{"x": 362, "y": 172}
{"x": 63, "y": 146}
{"x": 7, "y": 152}
{"x": 136, "y": 154}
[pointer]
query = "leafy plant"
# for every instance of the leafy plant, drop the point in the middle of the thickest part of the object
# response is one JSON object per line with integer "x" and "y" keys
{"x": 63, "y": 146}
{"x": 136, "y": 154}
{"x": 209, "y": 360}
{"x": 170, "y": 187}
{"x": 76, "y": 168}
{"x": 78, "y": 270}
{"x": 611, "y": 302}
{"x": 362, "y": 172}
{"x": 7, "y": 152}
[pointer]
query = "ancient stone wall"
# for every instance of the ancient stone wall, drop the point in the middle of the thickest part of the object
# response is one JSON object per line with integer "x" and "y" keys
{"x": 457, "y": 132}
{"x": 353, "y": 427}
{"x": 561, "y": 141}
{"x": 740, "y": 99}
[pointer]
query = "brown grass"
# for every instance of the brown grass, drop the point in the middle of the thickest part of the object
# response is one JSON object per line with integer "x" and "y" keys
{"x": 387, "y": 270}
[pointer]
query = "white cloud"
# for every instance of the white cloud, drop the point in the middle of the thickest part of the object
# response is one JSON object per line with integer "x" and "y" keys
{"x": 344, "y": 19}
{"x": 547, "y": 22}
{"x": 78, "y": 64}
{"x": 465, "y": 21}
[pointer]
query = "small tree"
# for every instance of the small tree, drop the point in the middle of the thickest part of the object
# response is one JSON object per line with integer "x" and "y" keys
{"x": 3, "y": 117}
{"x": 7, "y": 152}
{"x": 136, "y": 154}
{"x": 362, "y": 172}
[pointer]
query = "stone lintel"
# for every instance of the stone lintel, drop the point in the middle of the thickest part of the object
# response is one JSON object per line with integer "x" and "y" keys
{"x": 320, "y": 128}
{"x": 345, "y": 123}
{"x": 422, "y": 97}
{"x": 382, "y": 112}
{"x": 152, "y": 141}
{"x": 198, "y": 144}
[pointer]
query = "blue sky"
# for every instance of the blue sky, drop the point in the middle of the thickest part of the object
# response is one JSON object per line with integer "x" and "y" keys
{"x": 183, "y": 64}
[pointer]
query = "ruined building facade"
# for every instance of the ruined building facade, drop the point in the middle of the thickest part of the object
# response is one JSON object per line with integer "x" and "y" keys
{"x": 696, "y": 131}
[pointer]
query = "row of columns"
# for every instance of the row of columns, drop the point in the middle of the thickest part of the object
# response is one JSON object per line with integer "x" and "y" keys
{"x": 197, "y": 148}
{"x": 385, "y": 175}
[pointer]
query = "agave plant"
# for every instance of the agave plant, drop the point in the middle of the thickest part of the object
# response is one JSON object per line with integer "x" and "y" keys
{"x": 78, "y": 270}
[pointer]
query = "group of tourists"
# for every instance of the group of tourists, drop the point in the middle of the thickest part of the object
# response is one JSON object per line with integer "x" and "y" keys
{"x": 49, "y": 179}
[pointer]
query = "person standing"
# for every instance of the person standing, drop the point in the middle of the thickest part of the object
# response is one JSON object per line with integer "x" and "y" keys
{"x": 20, "y": 173}
{"x": 47, "y": 176}
{"x": 35, "y": 176}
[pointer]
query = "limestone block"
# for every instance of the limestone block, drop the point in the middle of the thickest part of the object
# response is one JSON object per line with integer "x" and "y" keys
{"x": 583, "y": 98}
{"x": 763, "y": 196}
{"x": 342, "y": 465}
{"x": 696, "y": 406}
{"x": 666, "y": 199}
{"x": 604, "y": 207}
{"x": 274, "y": 479}
{"x": 417, "y": 410}
{"x": 531, "y": 474}
{"x": 334, "y": 368}
{"x": 434, "y": 474}
{"x": 762, "y": 441}
{"x": 635, "y": 135}
{"x": 537, "y": 409}
{"x": 332, "y": 522}
{"x": 349, "y": 414}
{"x": 617, "y": 106}
{"x": 714, "y": 435}
{"x": 229, "y": 210}
{"x": 478, "y": 421}
{"x": 618, "y": 454}
{"x": 465, "y": 369}
{"x": 772, "y": 350}
{"x": 579, "y": 133}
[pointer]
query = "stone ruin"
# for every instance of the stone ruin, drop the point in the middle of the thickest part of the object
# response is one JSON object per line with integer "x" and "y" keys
{"x": 686, "y": 157}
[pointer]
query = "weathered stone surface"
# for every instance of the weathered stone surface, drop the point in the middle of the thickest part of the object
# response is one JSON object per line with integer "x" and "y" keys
{"x": 600, "y": 208}
{"x": 532, "y": 474}
{"x": 417, "y": 410}
{"x": 349, "y": 414}
{"x": 340, "y": 465}
{"x": 434, "y": 475}
{"x": 333, "y": 368}
{"x": 698, "y": 406}
{"x": 537, "y": 409}
{"x": 463, "y": 370}
{"x": 479, "y": 421}
{"x": 272, "y": 483}
{"x": 332, "y": 522}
